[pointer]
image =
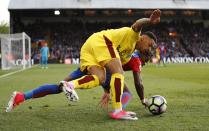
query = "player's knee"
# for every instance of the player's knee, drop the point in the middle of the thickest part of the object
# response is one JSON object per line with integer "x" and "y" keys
{"x": 102, "y": 79}
{"x": 118, "y": 76}
{"x": 99, "y": 72}
{"x": 114, "y": 66}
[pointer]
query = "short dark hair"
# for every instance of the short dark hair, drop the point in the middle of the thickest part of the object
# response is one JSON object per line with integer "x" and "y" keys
{"x": 151, "y": 35}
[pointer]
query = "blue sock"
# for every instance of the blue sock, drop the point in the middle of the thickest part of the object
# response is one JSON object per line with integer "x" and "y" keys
{"x": 42, "y": 91}
{"x": 126, "y": 97}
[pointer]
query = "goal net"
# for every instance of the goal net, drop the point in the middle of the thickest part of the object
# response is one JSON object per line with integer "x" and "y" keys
{"x": 15, "y": 51}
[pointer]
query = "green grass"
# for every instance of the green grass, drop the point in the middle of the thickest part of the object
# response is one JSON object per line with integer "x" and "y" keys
{"x": 185, "y": 87}
{"x": 3, "y": 72}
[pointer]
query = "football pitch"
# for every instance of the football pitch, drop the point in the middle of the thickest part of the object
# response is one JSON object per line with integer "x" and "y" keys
{"x": 185, "y": 87}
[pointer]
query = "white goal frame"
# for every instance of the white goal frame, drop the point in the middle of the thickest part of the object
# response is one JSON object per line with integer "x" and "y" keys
{"x": 23, "y": 58}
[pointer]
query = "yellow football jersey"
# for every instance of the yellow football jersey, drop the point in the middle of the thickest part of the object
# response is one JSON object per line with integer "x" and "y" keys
{"x": 124, "y": 40}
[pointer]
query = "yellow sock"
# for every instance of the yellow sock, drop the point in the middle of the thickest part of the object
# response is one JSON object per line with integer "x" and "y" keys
{"x": 87, "y": 81}
{"x": 116, "y": 85}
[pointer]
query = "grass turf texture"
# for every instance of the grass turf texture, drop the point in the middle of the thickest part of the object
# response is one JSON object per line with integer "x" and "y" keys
{"x": 185, "y": 87}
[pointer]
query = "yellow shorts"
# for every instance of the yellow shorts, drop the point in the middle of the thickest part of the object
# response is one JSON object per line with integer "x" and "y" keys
{"x": 97, "y": 50}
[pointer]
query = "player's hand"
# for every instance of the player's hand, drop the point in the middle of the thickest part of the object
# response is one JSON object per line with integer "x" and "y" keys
{"x": 105, "y": 101}
{"x": 145, "y": 102}
{"x": 155, "y": 16}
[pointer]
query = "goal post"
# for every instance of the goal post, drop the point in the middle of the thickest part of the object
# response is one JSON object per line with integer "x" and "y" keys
{"x": 15, "y": 51}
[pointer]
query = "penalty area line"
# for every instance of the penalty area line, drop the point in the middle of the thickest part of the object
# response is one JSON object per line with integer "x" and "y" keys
{"x": 14, "y": 72}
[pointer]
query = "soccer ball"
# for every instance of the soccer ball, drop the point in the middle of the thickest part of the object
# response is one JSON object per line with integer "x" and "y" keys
{"x": 157, "y": 104}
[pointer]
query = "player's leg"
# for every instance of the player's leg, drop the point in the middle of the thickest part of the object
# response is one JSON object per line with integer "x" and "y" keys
{"x": 42, "y": 62}
{"x": 96, "y": 77}
{"x": 89, "y": 64}
{"x": 116, "y": 86}
{"x": 158, "y": 62}
{"x": 45, "y": 63}
{"x": 75, "y": 75}
{"x": 108, "y": 56}
{"x": 87, "y": 81}
{"x": 42, "y": 91}
{"x": 39, "y": 58}
{"x": 116, "y": 82}
{"x": 19, "y": 97}
{"x": 163, "y": 60}
{"x": 126, "y": 96}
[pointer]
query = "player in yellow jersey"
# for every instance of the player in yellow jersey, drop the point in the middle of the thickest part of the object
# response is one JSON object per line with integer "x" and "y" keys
{"x": 107, "y": 50}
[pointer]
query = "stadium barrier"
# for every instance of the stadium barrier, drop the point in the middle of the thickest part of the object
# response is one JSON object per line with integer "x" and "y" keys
{"x": 186, "y": 60}
{"x": 72, "y": 61}
{"x": 166, "y": 60}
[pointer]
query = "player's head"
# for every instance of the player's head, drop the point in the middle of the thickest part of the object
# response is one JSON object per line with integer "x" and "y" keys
{"x": 147, "y": 41}
{"x": 45, "y": 44}
{"x": 146, "y": 45}
{"x": 145, "y": 57}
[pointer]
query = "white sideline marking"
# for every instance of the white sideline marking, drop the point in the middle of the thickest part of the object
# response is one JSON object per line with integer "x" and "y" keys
{"x": 11, "y": 73}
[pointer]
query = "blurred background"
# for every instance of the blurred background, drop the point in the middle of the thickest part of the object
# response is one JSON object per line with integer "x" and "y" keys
{"x": 183, "y": 37}
{"x": 66, "y": 24}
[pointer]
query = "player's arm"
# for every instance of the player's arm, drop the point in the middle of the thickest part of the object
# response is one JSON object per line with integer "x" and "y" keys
{"x": 139, "y": 87}
{"x": 154, "y": 19}
{"x": 105, "y": 100}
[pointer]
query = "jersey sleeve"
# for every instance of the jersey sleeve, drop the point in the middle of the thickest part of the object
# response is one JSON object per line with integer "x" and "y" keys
{"x": 134, "y": 65}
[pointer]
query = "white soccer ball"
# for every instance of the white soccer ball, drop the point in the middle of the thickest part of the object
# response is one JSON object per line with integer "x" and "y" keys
{"x": 157, "y": 104}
